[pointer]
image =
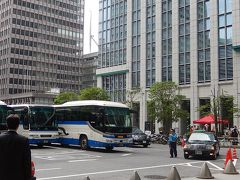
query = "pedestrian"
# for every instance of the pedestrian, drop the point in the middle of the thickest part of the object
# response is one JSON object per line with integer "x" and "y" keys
{"x": 15, "y": 153}
{"x": 206, "y": 127}
{"x": 172, "y": 140}
{"x": 234, "y": 135}
{"x": 191, "y": 129}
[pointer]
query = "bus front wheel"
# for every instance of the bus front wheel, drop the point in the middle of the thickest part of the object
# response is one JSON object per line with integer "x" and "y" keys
{"x": 84, "y": 142}
{"x": 40, "y": 145}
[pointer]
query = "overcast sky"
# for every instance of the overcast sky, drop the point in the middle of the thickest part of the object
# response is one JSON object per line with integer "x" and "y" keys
{"x": 91, "y": 6}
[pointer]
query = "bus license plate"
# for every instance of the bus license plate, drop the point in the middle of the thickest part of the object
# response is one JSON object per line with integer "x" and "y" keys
{"x": 144, "y": 142}
{"x": 198, "y": 152}
{"x": 45, "y": 141}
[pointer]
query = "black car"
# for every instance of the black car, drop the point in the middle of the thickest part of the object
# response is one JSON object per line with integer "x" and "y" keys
{"x": 139, "y": 137}
{"x": 201, "y": 143}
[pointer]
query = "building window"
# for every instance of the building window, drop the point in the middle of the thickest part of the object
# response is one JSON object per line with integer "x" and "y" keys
{"x": 112, "y": 33}
{"x": 167, "y": 40}
{"x": 184, "y": 42}
{"x": 136, "y": 42}
{"x": 225, "y": 40}
{"x": 115, "y": 85}
{"x": 204, "y": 61}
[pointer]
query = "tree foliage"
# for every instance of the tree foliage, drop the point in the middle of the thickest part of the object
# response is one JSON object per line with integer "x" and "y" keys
{"x": 65, "y": 97}
{"x": 165, "y": 104}
{"x": 221, "y": 106}
{"x": 94, "y": 93}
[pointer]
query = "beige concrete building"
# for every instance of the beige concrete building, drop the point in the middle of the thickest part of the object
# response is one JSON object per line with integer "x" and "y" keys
{"x": 195, "y": 43}
{"x": 41, "y": 44}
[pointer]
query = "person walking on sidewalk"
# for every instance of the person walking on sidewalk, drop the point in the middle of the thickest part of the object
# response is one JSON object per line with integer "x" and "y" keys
{"x": 172, "y": 141}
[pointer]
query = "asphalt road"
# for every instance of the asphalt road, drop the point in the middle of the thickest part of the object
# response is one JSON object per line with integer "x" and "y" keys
{"x": 153, "y": 162}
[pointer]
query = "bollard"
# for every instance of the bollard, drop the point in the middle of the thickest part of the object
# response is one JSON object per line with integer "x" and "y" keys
{"x": 230, "y": 168}
{"x": 86, "y": 178}
{"x": 205, "y": 172}
{"x": 174, "y": 175}
{"x": 135, "y": 176}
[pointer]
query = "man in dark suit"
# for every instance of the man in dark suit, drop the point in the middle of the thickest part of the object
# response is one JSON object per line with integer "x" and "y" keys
{"x": 15, "y": 153}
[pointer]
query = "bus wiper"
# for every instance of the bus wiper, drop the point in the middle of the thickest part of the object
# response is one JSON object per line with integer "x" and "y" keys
{"x": 63, "y": 130}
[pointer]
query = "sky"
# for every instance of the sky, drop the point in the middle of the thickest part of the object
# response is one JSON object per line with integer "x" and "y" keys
{"x": 91, "y": 7}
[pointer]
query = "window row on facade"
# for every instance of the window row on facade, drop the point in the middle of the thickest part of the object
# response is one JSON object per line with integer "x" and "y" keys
{"x": 49, "y": 19}
{"x": 46, "y": 9}
{"x": 46, "y": 37}
{"x": 45, "y": 46}
{"x": 42, "y": 55}
{"x": 53, "y": 66}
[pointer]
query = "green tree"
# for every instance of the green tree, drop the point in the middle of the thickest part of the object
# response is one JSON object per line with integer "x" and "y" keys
{"x": 221, "y": 106}
{"x": 65, "y": 97}
{"x": 94, "y": 93}
{"x": 165, "y": 104}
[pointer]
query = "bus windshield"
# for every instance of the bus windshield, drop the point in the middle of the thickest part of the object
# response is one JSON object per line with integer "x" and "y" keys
{"x": 114, "y": 120}
{"x": 3, "y": 114}
{"x": 117, "y": 117}
{"x": 42, "y": 118}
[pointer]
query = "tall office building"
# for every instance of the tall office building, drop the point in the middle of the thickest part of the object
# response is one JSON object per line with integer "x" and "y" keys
{"x": 194, "y": 43}
{"x": 41, "y": 42}
{"x": 88, "y": 70}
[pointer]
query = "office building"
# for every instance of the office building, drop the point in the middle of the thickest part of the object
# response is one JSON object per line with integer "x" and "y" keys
{"x": 88, "y": 66}
{"x": 41, "y": 43}
{"x": 194, "y": 43}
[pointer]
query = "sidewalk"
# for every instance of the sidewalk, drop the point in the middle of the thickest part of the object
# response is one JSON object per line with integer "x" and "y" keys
{"x": 219, "y": 177}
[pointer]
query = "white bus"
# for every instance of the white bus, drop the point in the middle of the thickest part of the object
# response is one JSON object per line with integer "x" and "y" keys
{"x": 3, "y": 115}
{"x": 37, "y": 122}
{"x": 92, "y": 123}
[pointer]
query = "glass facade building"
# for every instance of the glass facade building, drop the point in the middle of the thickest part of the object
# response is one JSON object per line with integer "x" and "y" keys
{"x": 194, "y": 43}
{"x": 41, "y": 43}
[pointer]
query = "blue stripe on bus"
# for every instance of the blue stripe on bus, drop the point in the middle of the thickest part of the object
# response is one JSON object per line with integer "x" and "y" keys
{"x": 91, "y": 143}
{"x": 73, "y": 122}
{"x": 42, "y": 141}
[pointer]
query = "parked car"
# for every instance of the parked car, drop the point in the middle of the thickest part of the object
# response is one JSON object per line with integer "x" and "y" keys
{"x": 140, "y": 138}
{"x": 202, "y": 143}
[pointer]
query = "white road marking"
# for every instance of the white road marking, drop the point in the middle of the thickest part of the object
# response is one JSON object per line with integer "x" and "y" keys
{"x": 187, "y": 164}
{"x": 60, "y": 153}
{"x": 82, "y": 160}
{"x": 65, "y": 156}
{"x": 214, "y": 165}
{"x": 114, "y": 171}
{"x": 50, "y": 169}
{"x": 201, "y": 167}
{"x": 126, "y": 154}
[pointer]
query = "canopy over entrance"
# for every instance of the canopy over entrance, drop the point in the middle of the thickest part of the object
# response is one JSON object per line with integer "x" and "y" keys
{"x": 209, "y": 119}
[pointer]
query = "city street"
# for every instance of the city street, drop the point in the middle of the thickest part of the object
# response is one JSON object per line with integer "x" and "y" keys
{"x": 151, "y": 163}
